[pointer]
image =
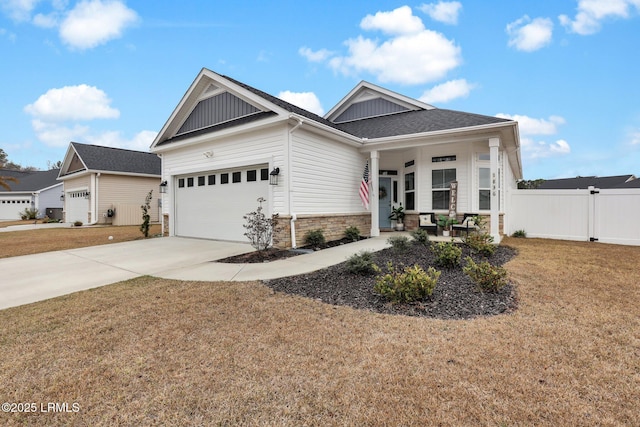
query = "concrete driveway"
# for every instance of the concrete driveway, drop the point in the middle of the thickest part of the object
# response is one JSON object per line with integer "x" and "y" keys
{"x": 32, "y": 278}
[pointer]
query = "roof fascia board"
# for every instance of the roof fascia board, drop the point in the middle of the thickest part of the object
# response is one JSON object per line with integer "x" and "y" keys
{"x": 336, "y": 133}
{"x": 363, "y": 85}
{"x": 107, "y": 172}
{"x": 208, "y": 137}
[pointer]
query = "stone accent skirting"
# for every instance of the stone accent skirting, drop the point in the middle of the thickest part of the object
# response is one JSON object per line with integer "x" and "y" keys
{"x": 165, "y": 225}
{"x": 332, "y": 225}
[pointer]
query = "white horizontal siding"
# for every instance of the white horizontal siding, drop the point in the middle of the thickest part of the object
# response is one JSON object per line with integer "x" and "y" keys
{"x": 265, "y": 146}
{"x": 326, "y": 175}
{"x": 462, "y": 165}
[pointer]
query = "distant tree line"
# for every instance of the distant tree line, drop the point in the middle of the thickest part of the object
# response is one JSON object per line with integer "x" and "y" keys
{"x": 529, "y": 184}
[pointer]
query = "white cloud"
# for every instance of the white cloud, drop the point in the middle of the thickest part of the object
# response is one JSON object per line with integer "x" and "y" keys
{"x": 533, "y": 148}
{"x": 590, "y": 14}
{"x": 141, "y": 141}
{"x": 448, "y": 91}
{"x": 9, "y": 35}
{"x": 532, "y": 126}
{"x": 57, "y": 135}
{"x": 529, "y": 35}
{"x": 634, "y": 137}
{"x": 443, "y": 11}
{"x": 46, "y": 21}
{"x": 307, "y": 100}
{"x": 80, "y": 102}
{"x": 398, "y": 21}
{"x": 18, "y": 10}
{"x": 95, "y": 22}
{"x": 411, "y": 55}
{"x": 317, "y": 56}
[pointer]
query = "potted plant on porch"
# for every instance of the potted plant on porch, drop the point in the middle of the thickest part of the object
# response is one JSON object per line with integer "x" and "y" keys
{"x": 397, "y": 215}
{"x": 446, "y": 222}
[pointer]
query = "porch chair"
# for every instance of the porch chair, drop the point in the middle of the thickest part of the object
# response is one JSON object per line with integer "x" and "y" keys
{"x": 427, "y": 221}
{"x": 467, "y": 224}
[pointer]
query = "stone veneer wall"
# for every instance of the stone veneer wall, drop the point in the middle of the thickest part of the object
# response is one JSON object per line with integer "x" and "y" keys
{"x": 332, "y": 225}
{"x": 165, "y": 225}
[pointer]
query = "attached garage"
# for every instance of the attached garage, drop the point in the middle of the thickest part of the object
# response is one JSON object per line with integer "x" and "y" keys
{"x": 77, "y": 206}
{"x": 212, "y": 204}
{"x": 12, "y": 206}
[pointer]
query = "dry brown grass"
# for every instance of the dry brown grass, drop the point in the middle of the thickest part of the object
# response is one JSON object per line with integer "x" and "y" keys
{"x": 161, "y": 352}
{"x": 26, "y": 242}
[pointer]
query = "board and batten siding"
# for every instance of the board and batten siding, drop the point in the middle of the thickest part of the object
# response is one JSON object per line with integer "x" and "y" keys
{"x": 326, "y": 175}
{"x": 130, "y": 193}
{"x": 254, "y": 148}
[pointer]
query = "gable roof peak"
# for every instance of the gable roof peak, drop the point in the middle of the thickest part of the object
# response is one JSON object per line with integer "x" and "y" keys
{"x": 367, "y": 91}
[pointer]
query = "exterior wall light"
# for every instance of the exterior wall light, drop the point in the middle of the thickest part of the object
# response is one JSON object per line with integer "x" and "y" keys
{"x": 273, "y": 176}
{"x": 163, "y": 187}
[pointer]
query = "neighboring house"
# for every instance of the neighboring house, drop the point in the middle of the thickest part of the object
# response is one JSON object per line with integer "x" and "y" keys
{"x": 225, "y": 141}
{"x": 104, "y": 185}
{"x": 32, "y": 190}
{"x": 584, "y": 182}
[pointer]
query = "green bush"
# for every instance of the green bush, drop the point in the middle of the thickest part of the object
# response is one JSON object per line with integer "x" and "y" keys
{"x": 490, "y": 278}
{"x": 352, "y": 233}
{"x": 420, "y": 236}
{"x": 447, "y": 254}
{"x": 146, "y": 217}
{"x": 399, "y": 243}
{"x": 481, "y": 243}
{"x": 519, "y": 233}
{"x": 408, "y": 284}
{"x": 361, "y": 263}
{"x": 314, "y": 238}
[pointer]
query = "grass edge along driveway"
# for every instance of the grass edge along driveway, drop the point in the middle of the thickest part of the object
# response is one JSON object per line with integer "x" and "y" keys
{"x": 163, "y": 352}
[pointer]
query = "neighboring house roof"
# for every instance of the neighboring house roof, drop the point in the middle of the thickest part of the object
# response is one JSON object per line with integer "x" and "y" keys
{"x": 584, "y": 182}
{"x": 96, "y": 158}
{"x": 634, "y": 183}
{"x": 31, "y": 181}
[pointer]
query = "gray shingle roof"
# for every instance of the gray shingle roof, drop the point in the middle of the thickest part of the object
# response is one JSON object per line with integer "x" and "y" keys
{"x": 108, "y": 159}
{"x": 584, "y": 182}
{"x": 31, "y": 180}
{"x": 412, "y": 122}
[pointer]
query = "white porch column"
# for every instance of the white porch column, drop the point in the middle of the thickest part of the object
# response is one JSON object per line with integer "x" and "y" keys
{"x": 494, "y": 145}
{"x": 374, "y": 201}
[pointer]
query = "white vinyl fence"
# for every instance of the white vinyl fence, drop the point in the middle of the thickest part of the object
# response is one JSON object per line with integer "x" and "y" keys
{"x": 608, "y": 216}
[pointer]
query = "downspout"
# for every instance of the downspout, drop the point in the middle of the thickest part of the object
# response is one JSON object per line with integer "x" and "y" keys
{"x": 94, "y": 195}
{"x": 292, "y": 225}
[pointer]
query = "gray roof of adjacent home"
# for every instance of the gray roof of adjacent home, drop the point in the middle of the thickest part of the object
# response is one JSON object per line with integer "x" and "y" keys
{"x": 108, "y": 159}
{"x": 30, "y": 180}
{"x": 584, "y": 182}
{"x": 402, "y": 123}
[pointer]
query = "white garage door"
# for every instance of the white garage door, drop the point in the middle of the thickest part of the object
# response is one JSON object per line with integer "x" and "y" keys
{"x": 211, "y": 205}
{"x": 10, "y": 207}
{"x": 77, "y": 206}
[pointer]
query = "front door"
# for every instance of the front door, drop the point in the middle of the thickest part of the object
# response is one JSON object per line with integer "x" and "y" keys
{"x": 384, "y": 199}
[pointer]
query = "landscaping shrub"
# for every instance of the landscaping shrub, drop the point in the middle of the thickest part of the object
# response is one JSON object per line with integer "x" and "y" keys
{"x": 146, "y": 218}
{"x": 361, "y": 263}
{"x": 314, "y": 238}
{"x": 488, "y": 277}
{"x": 519, "y": 233}
{"x": 420, "y": 236}
{"x": 29, "y": 214}
{"x": 352, "y": 233}
{"x": 77, "y": 224}
{"x": 481, "y": 243}
{"x": 407, "y": 284}
{"x": 260, "y": 228}
{"x": 399, "y": 243}
{"x": 447, "y": 254}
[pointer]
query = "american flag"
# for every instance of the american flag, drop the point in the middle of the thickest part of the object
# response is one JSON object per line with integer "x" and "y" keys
{"x": 364, "y": 186}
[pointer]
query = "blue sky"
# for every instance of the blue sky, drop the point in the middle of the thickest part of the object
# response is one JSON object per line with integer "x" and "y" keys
{"x": 110, "y": 72}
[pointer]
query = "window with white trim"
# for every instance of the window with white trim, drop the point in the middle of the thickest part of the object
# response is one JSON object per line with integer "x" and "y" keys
{"x": 484, "y": 189}
{"x": 440, "y": 193}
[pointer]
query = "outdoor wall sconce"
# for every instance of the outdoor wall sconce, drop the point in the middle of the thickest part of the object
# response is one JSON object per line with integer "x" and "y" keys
{"x": 86, "y": 196}
{"x": 62, "y": 197}
{"x": 163, "y": 187}
{"x": 273, "y": 176}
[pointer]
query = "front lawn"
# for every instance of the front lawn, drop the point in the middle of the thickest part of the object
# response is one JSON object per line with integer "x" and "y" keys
{"x": 161, "y": 352}
{"x": 26, "y": 242}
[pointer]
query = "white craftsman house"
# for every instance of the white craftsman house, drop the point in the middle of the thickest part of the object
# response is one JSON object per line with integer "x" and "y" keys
{"x": 227, "y": 144}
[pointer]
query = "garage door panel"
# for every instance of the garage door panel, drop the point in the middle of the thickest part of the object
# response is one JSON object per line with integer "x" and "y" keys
{"x": 216, "y": 211}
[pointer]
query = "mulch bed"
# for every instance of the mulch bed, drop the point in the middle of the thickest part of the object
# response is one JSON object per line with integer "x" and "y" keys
{"x": 456, "y": 296}
{"x": 273, "y": 254}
